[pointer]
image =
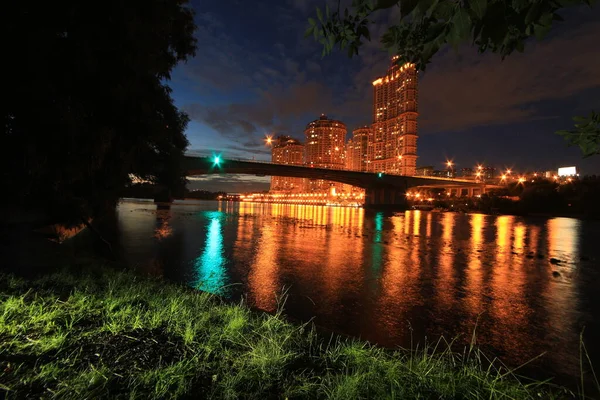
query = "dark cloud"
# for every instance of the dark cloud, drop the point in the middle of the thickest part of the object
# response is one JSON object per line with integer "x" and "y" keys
{"x": 461, "y": 93}
{"x": 277, "y": 109}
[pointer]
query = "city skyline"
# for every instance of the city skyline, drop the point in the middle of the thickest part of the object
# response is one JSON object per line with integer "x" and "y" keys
{"x": 472, "y": 109}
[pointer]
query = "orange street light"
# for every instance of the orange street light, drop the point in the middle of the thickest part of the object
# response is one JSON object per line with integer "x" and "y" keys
{"x": 521, "y": 180}
{"x": 449, "y": 163}
{"x": 269, "y": 139}
{"x": 508, "y": 171}
{"x": 480, "y": 167}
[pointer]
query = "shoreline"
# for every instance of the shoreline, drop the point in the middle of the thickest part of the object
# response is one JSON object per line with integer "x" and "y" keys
{"x": 78, "y": 331}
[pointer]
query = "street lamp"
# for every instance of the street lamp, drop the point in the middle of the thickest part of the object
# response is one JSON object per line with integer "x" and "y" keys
{"x": 269, "y": 140}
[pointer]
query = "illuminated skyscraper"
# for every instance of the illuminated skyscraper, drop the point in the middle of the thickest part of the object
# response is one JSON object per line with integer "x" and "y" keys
{"x": 289, "y": 151}
{"x": 393, "y": 143}
{"x": 324, "y": 147}
{"x": 357, "y": 151}
{"x": 350, "y": 158}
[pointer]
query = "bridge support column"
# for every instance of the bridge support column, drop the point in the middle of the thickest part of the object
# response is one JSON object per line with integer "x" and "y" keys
{"x": 392, "y": 198}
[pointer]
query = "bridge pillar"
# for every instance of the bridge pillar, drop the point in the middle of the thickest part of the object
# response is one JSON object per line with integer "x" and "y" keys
{"x": 386, "y": 198}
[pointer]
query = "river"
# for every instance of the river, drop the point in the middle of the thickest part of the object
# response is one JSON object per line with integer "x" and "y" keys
{"x": 393, "y": 278}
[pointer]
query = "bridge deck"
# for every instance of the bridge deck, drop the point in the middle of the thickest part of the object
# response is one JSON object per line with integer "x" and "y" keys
{"x": 366, "y": 180}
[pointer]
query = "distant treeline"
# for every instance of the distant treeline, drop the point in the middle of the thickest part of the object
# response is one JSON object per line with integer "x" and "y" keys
{"x": 149, "y": 191}
{"x": 203, "y": 194}
{"x": 579, "y": 198}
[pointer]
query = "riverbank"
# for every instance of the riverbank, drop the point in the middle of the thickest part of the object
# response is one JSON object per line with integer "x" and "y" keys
{"x": 93, "y": 332}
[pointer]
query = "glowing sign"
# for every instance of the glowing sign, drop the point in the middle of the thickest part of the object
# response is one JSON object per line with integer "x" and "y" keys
{"x": 567, "y": 171}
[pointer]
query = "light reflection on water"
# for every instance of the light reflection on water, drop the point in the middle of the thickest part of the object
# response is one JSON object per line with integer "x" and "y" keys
{"x": 387, "y": 277}
{"x": 210, "y": 266}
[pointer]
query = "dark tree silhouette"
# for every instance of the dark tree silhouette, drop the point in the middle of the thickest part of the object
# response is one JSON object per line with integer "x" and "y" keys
{"x": 86, "y": 101}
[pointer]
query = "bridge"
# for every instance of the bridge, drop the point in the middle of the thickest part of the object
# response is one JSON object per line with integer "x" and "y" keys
{"x": 380, "y": 189}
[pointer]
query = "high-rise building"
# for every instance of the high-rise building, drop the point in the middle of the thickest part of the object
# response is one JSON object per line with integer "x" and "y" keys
{"x": 357, "y": 152}
{"x": 324, "y": 148}
{"x": 393, "y": 139}
{"x": 350, "y": 159}
{"x": 288, "y": 151}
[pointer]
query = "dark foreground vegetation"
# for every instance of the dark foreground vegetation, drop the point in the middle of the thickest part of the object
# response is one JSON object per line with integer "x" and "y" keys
{"x": 102, "y": 333}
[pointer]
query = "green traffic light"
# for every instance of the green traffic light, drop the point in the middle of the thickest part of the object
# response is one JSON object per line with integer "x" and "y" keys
{"x": 216, "y": 160}
{"x": 380, "y": 174}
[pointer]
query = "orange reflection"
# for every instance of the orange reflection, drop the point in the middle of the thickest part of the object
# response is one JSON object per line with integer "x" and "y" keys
{"x": 474, "y": 288}
{"x": 417, "y": 215}
{"x": 428, "y": 224}
{"x": 561, "y": 292}
{"x": 563, "y": 238}
{"x": 445, "y": 282}
{"x": 519, "y": 243}
{"x": 533, "y": 238}
{"x": 398, "y": 284}
{"x": 503, "y": 227}
{"x": 344, "y": 259}
{"x": 263, "y": 280}
{"x": 164, "y": 230}
{"x": 508, "y": 308}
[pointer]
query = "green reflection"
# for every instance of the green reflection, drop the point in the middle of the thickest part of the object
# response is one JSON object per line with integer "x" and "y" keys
{"x": 377, "y": 249}
{"x": 378, "y": 226}
{"x": 211, "y": 264}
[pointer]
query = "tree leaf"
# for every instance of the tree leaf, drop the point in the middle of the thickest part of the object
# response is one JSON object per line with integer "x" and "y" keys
{"x": 534, "y": 13}
{"x": 479, "y": 7}
{"x": 381, "y": 4}
{"x": 319, "y": 14}
{"x": 424, "y": 7}
{"x": 461, "y": 25}
{"x": 407, "y": 6}
{"x": 541, "y": 31}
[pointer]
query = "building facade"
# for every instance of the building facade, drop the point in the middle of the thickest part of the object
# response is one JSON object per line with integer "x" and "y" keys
{"x": 324, "y": 148}
{"x": 350, "y": 156}
{"x": 392, "y": 145}
{"x": 359, "y": 151}
{"x": 289, "y": 151}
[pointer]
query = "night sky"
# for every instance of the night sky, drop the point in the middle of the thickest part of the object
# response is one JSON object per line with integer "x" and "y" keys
{"x": 255, "y": 74}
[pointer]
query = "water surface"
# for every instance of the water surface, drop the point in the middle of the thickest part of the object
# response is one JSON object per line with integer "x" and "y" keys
{"x": 391, "y": 278}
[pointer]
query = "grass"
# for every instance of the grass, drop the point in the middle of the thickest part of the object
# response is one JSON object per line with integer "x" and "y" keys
{"x": 100, "y": 333}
